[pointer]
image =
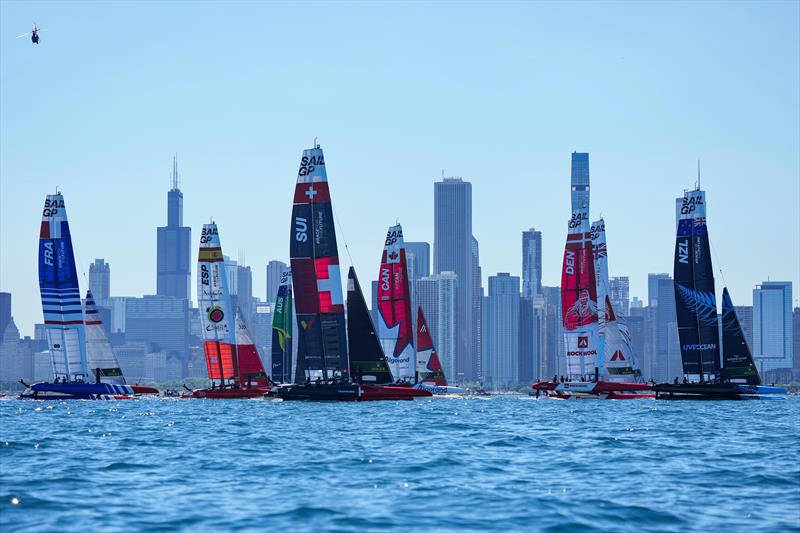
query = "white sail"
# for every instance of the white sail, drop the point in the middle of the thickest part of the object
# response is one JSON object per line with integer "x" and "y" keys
{"x": 615, "y": 352}
{"x": 102, "y": 361}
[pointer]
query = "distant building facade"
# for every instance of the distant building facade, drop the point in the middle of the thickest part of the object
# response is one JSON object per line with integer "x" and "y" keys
{"x": 100, "y": 282}
{"x": 274, "y": 270}
{"x": 531, "y": 263}
{"x": 161, "y": 321}
{"x": 619, "y": 288}
{"x": 502, "y": 330}
{"x": 438, "y": 296}
{"x": 772, "y": 326}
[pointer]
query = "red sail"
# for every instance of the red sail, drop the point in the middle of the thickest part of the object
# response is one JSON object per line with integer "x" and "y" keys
{"x": 428, "y": 364}
{"x": 219, "y": 360}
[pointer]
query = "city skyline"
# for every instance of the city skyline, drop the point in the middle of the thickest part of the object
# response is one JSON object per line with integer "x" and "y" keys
{"x": 112, "y": 161}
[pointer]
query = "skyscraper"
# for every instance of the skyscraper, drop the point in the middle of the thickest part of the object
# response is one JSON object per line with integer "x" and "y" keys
{"x": 580, "y": 181}
{"x": 477, "y": 302}
{"x": 274, "y": 270}
{"x": 553, "y": 333}
{"x": 619, "y": 293}
{"x": 652, "y": 288}
{"x": 160, "y": 320}
{"x": 438, "y": 295}
{"x": 531, "y": 263}
{"x": 502, "y": 331}
{"x": 772, "y": 325}
{"x": 667, "y": 364}
{"x": 418, "y": 257}
{"x": 100, "y": 282}
{"x": 453, "y": 253}
{"x": 796, "y": 342}
{"x": 174, "y": 246}
{"x": 531, "y": 339}
{"x": 5, "y": 311}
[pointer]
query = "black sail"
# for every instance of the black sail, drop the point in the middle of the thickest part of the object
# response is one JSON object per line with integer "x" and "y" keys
{"x": 695, "y": 300}
{"x": 367, "y": 361}
{"x": 737, "y": 361}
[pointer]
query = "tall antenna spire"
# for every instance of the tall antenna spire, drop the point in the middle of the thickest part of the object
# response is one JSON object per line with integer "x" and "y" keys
{"x": 175, "y": 171}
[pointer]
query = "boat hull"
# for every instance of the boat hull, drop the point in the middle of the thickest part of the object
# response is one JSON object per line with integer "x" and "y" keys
{"x": 78, "y": 391}
{"x": 717, "y": 391}
{"x": 326, "y": 392}
{"x": 229, "y": 394}
{"x": 587, "y": 390}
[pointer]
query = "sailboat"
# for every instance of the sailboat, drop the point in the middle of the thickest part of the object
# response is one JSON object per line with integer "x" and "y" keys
{"x": 323, "y": 365}
{"x": 584, "y": 342}
{"x": 698, "y": 323}
{"x": 64, "y": 316}
{"x": 282, "y": 331}
{"x": 395, "y": 328}
{"x": 232, "y": 362}
{"x": 429, "y": 367}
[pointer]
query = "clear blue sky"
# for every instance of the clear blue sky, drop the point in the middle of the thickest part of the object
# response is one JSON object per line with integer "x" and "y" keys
{"x": 499, "y": 94}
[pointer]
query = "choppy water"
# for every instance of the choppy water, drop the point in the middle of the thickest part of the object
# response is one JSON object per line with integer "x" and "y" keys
{"x": 503, "y": 463}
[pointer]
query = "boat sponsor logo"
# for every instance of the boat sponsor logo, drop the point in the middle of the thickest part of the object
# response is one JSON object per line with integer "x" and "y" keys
{"x": 683, "y": 252}
{"x": 583, "y": 342}
{"x": 300, "y": 229}
{"x": 569, "y": 267}
{"x": 207, "y": 233}
{"x": 581, "y": 353}
{"x": 693, "y": 347}
{"x": 577, "y": 219}
{"x": 48, "y": 253}
{"x": 215, "y": 314}
{"x": 393, "y": 235}
{"x": 204, "y": 275}
{"x": 308, "y": 164}
{"x": 690, "y": 203}
{"x": 596, "y": 229}
{"x": 51, "y": 207}
{"x": 618, "y": 356}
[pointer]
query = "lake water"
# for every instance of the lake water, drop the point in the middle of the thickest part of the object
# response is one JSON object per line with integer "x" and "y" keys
{"x": 497, "y": 463}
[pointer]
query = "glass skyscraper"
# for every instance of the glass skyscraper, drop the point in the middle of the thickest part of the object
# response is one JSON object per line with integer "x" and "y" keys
{"x": 531, "y": 263}
{"x": 772, "y": 325}
{"x": 580, "y": 181}
{"x": 453, "y": 253}
{"x": 173, "y": 275}
{"x": 502, "y": 331}
{"x": 100, "y": 282}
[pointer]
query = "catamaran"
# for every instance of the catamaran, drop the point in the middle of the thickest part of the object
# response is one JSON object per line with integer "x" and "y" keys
{"x": 323, "y": 366}
{"x": 698, "y": 323}
{"x": 429, "y": 367}
{"x": 66, "y": 325}
{"x": 232, "y": 361}
{"x": 590, "y": 331}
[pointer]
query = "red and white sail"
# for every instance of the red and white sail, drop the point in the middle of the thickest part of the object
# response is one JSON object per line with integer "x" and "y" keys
{"x": 251, "y": 368}
{"x": 429, "y": 367}
{"x": 216, "y": 310}
{"x": 395, "y": 328}
{"x": 615, "y": 351}
{"x": 579, "y": 287}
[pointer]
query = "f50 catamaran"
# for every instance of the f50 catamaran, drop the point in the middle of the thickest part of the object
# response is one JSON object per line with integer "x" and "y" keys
{"x": 698, "y": 322}
{"x": 323, "y": 360}
{"x": 590, "y": 329}
{"x": 232, "y": 362}
{"x": 65, "y": 324}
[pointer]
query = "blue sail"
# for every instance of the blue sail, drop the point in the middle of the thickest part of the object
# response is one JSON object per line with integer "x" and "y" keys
{"x": 61, "y": 298}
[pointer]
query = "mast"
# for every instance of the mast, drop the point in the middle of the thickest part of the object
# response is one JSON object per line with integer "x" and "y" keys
{"x": 315, "y": 271}
{"x": 61, "y": 298}
{"x": 396, "y": 329}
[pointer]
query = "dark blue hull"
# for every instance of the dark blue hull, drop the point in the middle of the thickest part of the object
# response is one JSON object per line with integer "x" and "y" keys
{"x": 76, "y": 391}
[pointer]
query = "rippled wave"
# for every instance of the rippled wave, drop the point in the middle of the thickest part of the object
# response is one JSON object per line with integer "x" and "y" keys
{"x": 510, "y": 464}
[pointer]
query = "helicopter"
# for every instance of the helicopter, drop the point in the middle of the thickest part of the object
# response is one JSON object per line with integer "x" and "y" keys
{"x": 34, "y": 33}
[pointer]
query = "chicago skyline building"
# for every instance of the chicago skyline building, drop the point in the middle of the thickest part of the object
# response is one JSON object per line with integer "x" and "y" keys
{"x": 619, "y": 288}
{"x": 667, "y": 362}
{"x": 160, "y": 320}
{"x": 5, "y": 311}
{"x": 438, "y": 296}
{"x": 453, "y": 253}
{"x": 502, "y": 330}
{"x": 173, "y": 276}
{"x": 772, "y": 325}
{"x": 100, "y": 282}
{"x": 274, "y": 270}
{"x": 531, "y": 263}
{"x": 580, "y": 181}
{"x": 477, "y": 320}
